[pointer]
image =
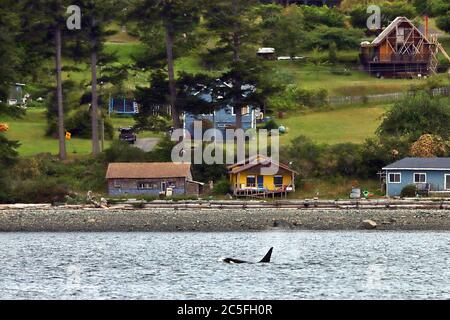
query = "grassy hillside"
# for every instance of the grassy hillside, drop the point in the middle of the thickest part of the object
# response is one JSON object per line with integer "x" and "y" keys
{"x": 351, "y": 124}
{"x": 335, "y": 126}
{"x": 316, "y": 77}
{"x": 346, "y": 124}
{"x": 30, "y": 132}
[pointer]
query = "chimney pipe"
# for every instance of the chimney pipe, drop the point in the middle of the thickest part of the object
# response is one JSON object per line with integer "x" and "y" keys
{"x": 427, "y": 28}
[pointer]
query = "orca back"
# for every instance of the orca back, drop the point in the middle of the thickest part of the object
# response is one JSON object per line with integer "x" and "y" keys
{"x": 230, "y": 260}
{"x": 267, "y": 257}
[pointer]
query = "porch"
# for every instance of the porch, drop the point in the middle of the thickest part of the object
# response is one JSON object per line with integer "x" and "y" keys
{"x": 261, "y": 191}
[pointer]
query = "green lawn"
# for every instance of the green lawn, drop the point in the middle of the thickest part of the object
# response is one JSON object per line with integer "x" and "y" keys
{"x": 350, "y": 124}
{"x": 318, "y": 77}
{"x": 124, "y": 51}
{"x": 30, "y": 132}
{"x": 334, "y": 126}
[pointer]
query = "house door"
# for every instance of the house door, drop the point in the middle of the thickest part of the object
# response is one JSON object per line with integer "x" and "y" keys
{"x": 260, "y": 182}
{"x": 447, "y": 182}
{"x": 163, "y": 186}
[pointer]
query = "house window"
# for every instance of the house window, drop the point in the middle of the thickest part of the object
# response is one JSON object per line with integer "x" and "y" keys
{"x": 395, "y": 178}
{"x": 117, "y": 184}
{"x": 278, "y": 181}
{"x": 147, "y": 186}
{"x": 400, "y": 33}
{"x": 251, "y": 181}
{"x": 420, "y": 178}
{"x": 245, "y": 111}
{"x": 447, "y": 182}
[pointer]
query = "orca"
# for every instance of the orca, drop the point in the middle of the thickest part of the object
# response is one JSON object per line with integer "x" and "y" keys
{"x": 266, "y": 259}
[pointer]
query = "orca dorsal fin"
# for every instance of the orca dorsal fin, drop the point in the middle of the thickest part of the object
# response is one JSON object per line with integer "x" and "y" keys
{"x": 267, "y": 257}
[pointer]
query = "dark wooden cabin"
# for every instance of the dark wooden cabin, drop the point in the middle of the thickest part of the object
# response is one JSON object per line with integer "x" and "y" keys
{"x": 401, "y": 50}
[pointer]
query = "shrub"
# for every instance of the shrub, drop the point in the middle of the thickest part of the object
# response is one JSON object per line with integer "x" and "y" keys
{"x": 205, "y": 173}
{"x": 344, "y": 38}
{"x": 443, "y": 66}
{"x": 222, "y": 187}
{"x": 42, "y": 190}
{"x": 417, "y": 115}
{"x": 271, "y": 125}
{"x": 408, "y": 191}
{"x": 121, "y": 151}
{"x": 163, "y": 150}
{"x": 80, "y": 125}
{"x": 307, "y": 98}
{"x": 5, "y": 190}
{"x": 332, "y": 53}
{"x": 152, "y": 123}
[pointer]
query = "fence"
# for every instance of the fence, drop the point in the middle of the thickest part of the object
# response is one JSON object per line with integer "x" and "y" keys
{"x": 386, "y": 97}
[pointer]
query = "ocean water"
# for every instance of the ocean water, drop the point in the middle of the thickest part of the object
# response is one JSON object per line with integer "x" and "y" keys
{"x": 305, "y": 265}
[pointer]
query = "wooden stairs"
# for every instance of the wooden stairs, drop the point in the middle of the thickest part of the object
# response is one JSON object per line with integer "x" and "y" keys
{"x": 437, "y": 47}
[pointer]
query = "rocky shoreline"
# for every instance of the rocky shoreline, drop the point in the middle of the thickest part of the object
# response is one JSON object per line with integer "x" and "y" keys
{"x": 66, "y": 219}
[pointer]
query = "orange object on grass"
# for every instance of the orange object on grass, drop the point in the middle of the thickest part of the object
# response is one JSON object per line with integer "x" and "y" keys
{"x": 68, "y": 136}
{"x": 4, "y": 127}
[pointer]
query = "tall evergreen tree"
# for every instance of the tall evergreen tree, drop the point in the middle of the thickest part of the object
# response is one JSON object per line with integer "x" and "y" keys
{"x": 8, "y": 49}
{"x": 235, "y": 24}
{"x": 170, "y": 21}
{"x": 45, "y": 22}
{"x": 9, "y": 61}
{"x": 97, "y": 14}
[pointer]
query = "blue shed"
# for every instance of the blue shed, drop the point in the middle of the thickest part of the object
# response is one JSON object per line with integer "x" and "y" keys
{"x": 430, "y": 174}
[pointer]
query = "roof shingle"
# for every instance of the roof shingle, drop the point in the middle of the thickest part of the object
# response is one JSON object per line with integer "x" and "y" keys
{"x": 150, "y": 170}
{"x": 420, "y": 163}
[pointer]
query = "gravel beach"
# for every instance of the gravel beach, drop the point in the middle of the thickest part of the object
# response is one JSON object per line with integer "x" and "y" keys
{"x": 98, "y": 220}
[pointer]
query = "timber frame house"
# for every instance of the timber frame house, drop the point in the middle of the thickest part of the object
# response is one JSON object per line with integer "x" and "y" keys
{"x": 402, "y": 50}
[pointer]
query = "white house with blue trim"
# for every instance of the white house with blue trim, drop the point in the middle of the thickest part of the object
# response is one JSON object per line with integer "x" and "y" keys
{"x": 430, "y": 174}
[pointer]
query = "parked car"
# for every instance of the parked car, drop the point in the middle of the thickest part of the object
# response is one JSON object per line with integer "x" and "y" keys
{"x": 128, "y": 135}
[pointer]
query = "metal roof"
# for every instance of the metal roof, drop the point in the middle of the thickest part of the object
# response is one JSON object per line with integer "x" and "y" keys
{"x": 420, "y": 164}
{"x": 392, "y": 27}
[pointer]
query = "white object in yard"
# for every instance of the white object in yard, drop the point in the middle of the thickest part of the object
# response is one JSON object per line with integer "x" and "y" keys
{"x": 355, "y": 194}
{"x": 12, "y": 102}
{"x": 266, "y": 50}
{"x": 290, "y": 58}
{"x": 169, "y": 192}
{"x": 40, "y": 99}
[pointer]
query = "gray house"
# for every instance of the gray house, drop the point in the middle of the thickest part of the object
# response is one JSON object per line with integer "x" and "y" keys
{"x": 151, "y": 179}
{"x": 428, "y": 174}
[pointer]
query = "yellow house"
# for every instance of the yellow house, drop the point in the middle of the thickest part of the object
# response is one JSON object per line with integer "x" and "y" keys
{"x": 248, "y": 179}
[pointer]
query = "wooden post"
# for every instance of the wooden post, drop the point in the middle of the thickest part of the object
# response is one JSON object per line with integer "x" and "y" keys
{"x": 102, "y": 128}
